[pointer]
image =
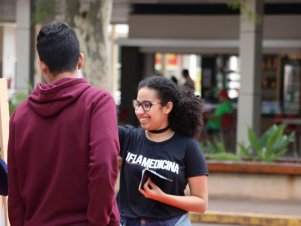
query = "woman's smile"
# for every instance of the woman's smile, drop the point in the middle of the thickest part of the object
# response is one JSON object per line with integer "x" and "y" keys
{"x": 143, "y": 119}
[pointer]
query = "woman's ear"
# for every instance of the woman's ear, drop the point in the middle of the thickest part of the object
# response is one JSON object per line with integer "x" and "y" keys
{"x": 168, "y": 107}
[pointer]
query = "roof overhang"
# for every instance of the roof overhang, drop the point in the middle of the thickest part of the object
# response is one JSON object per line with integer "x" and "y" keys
{"x": 207, "y": 46}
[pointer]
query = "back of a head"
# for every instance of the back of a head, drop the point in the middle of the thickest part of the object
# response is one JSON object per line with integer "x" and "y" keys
{"x": 223, "y": 94}
{"x": 174, "y": 79}
{"x": 58, "y": 47}
{"x": 185, "y": 73}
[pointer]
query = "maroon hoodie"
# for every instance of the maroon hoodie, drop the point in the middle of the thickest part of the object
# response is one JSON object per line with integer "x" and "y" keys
{"x": 62, "y": 157}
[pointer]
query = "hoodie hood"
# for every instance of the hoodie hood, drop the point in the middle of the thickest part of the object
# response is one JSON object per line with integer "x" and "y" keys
{"x": 50, "y": 99}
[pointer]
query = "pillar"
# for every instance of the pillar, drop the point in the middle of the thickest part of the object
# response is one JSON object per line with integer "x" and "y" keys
{"x": 23, "y": 53}
{"x": 249, "y": 103}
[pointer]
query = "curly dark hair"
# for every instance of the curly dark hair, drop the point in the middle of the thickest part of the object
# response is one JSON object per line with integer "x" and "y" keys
{"x": 186, "y": 116}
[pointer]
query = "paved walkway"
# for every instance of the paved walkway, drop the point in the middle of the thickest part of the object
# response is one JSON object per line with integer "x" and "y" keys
{"x": 249, "y": 212}
{"x": 212, "y": 224}
{"x": 270, "y": 207}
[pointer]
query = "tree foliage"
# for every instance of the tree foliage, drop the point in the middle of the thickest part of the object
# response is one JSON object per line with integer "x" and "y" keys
{"x": 249, "y": 14}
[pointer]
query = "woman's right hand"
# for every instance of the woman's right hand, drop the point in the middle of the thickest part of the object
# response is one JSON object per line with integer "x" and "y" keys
{"x": 151, "y": 190}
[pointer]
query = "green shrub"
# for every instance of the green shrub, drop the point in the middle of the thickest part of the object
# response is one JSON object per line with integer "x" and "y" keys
{"x": 16, "y": 99}
{"x": 212, "y": 146}
{"x": 223, "y": 156}
{"x": 216, "y": 150}
{"x": 270, "y": 146}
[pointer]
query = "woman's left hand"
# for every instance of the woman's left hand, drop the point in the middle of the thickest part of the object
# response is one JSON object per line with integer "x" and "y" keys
{"x": 151, "y": 190}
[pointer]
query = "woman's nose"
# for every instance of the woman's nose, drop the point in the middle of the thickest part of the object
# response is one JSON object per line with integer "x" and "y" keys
{"x": 139, "y": 110}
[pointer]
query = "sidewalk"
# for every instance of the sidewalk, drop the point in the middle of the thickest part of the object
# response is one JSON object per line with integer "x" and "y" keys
{"x": 249, "y": 212}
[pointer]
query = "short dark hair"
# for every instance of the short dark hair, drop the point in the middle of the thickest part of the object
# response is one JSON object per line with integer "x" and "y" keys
{"x": 58, "y": 47}
{"x": 174, "y": 79}
{"x": 186, "y": 115}
{"x": 185, "y": 73}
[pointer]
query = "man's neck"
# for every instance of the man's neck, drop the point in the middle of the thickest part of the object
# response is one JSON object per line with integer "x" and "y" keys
{"x": 69, "y": 74}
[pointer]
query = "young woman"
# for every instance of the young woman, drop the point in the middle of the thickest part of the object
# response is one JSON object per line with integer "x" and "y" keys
{"x": 169, "y": 120}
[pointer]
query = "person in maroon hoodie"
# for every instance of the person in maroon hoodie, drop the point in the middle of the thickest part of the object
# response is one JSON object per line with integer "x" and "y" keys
{"x": 63, "y": 143}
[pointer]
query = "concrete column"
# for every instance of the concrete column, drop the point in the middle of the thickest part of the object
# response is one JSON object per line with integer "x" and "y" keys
{"x": 9, "y": 52}
{"x": 113, "y": 55}
{"x": 249, "y": 103}
{"x": 23, "y": 45}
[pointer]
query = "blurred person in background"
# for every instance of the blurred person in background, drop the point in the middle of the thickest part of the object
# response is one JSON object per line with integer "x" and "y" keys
{"x": 188, "y": 80}
{"x": 224, "y": 106}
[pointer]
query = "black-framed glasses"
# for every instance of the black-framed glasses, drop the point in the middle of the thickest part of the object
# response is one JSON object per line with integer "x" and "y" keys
{"x": 146, "y": 105}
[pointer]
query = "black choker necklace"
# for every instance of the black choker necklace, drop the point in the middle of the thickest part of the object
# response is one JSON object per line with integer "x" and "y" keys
{"x": 159, "y": 130}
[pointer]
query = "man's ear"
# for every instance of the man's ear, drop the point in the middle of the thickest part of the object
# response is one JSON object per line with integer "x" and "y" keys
{"x": 80, "y": 61}
{"x": 44, "y": 68}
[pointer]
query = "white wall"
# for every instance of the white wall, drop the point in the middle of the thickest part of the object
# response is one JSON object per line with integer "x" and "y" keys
{"x": 209, "y": 27}
{"x": 9, "y": 51}
{"x": 277, "y": 187}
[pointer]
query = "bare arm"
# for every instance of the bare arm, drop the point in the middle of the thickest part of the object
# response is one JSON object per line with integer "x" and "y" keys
{"x": 197, "y": 201}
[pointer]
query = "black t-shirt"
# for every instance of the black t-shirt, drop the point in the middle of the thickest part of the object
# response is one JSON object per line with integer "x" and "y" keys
{"x": 177, "y": 159}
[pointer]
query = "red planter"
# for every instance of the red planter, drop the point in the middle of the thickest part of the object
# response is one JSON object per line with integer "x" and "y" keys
{"x": 251, "y": 167}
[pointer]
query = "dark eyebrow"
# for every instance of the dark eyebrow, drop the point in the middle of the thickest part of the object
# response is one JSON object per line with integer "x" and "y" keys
{"x": 144, "y": 101}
